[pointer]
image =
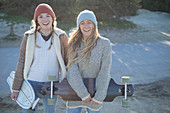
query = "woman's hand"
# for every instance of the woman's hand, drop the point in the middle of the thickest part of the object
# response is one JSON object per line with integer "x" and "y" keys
{"x": 95, "y": 103}
{"x": 88, "y": 100}
{"x": 14, "y": 96}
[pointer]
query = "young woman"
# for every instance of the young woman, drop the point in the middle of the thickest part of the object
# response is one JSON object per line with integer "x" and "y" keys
{"x": 89, "y": 56}
{"x": 43, "y": 52}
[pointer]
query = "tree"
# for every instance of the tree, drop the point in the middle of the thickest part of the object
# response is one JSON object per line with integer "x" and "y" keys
{"x": 11, "y": 20}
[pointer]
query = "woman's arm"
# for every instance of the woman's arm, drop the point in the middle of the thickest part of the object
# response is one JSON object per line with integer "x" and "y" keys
{"x": 64, "y": 46}
{"x": 103, "y": 78}
{"x": 18, "y": 80}
{"x": 76, "y": 82}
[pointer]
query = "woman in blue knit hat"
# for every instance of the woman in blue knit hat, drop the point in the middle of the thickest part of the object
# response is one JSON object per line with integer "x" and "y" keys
{"x": 89, "y": 56}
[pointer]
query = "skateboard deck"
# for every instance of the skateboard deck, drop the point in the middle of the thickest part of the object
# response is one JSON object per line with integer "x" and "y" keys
{"x": 26, "y": 96}
{"x": 68, "y": 94}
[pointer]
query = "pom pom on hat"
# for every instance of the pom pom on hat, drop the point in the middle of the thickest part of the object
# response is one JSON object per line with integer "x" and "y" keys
{"x": 43, "y": 8}
{"x": 86, "y": 14}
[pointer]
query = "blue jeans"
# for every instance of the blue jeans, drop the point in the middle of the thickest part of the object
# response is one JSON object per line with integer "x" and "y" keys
{"x": 78, "y": 110}
{"x": 47, "y": 108}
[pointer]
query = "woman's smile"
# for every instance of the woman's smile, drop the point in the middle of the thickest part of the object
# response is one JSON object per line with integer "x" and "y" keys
{"x": 86, "y": 27}
{"x": 45, "y": 21}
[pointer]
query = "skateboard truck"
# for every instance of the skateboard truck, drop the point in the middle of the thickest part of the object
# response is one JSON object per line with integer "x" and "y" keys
{"x": 51, "y": 100}
{"x": 125, "y": 101}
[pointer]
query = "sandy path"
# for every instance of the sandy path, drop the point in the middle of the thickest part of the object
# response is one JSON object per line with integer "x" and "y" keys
{"x": 148, "y": 98}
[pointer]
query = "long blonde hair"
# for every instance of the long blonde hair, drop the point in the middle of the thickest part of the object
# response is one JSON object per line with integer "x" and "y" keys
{"x": 74, "y": 47}
{"x": 36, "y": 26}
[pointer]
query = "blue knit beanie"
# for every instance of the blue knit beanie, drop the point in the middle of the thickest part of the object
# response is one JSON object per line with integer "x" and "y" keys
{"x": 86, "y": 14}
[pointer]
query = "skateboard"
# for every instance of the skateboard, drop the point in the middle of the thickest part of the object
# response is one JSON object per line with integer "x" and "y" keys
{"x": 26, "y": 96}
{"x": 65, "y": 91}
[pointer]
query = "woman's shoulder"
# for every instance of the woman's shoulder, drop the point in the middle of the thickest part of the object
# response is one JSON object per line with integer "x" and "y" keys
{"x": 29, "y": 32}
{"x": 104, "y": 41}
{"x": 59, "y": 31}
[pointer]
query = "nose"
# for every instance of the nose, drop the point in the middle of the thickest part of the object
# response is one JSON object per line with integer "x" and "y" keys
{"x": 44, "y": 19}
{"x": 86, "y": 25}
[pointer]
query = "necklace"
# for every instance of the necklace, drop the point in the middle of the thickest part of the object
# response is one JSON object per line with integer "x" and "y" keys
{"x": 45, "y": 33}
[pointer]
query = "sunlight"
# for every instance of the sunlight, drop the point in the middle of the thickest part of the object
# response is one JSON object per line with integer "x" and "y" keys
{"x": 166, "y": 42}
{"x": 126, "y": 65}
{"x": 113, "y": 52}
{"x": 166, "y": 34}
{"x": 146, "y": 49}
{"x": 120, "y": 60}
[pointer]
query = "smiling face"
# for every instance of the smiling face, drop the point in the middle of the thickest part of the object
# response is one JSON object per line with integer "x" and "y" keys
{"x": 45, "y": 21}
{"x": 86, "y": 27}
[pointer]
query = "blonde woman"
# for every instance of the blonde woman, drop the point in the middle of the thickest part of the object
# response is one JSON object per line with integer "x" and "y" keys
{"x": 43, "y": 52}
{"x": 89, "y": 56}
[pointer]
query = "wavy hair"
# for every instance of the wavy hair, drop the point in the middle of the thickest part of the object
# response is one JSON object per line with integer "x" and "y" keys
{"x": 75, "y": 54}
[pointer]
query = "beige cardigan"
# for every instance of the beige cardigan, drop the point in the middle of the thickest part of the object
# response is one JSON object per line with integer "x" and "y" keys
{"x": 27, "y": 51}
{"x": 99, "y": 67}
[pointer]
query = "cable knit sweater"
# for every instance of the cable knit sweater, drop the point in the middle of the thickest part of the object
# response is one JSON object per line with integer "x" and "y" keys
{"x": 98, "y": 67}
{"x": 45, "y": 61}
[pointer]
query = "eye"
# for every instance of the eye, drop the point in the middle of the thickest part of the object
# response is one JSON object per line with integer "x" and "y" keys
{"x": 89, "y": 22}
{"x": 82, "y": 23}
{"x": 48, "y": 15}
{"x": 40, "y": 16}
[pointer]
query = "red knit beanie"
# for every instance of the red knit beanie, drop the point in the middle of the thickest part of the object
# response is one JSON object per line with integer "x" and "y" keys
{"x": 43, "y": 8}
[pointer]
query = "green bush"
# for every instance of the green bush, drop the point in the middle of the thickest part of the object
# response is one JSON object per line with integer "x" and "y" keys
{"x": 67, "y": 10}
{"x": 156, "y": 5}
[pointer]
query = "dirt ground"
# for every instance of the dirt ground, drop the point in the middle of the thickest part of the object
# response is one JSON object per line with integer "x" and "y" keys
{"x": 148, "y": 98}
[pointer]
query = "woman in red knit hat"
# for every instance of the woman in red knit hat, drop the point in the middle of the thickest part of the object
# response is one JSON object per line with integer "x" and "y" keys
{"x": 43, "y": 52}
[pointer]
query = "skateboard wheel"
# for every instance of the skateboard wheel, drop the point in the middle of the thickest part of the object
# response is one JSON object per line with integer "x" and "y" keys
{"x": 52, "y": 77}
{"x": 51, "y": 101}
{"x": 125, "y": 103}
{"x": 125, "y": 79}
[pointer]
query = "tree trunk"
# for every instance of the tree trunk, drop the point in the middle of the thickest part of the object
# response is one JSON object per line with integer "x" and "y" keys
{"x": 11, "y": 29}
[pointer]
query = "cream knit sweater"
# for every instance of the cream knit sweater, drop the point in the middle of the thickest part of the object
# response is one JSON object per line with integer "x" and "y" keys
{"x": 45, "y": 61}
{"x": 98, "y": 67}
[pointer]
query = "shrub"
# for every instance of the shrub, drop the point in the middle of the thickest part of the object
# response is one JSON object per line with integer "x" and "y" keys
{"x": 67, "y": 10}
{"x": 156, "y": 5}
